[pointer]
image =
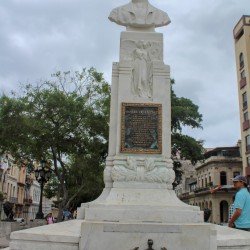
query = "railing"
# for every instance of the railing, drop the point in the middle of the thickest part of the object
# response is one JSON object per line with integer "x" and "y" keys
{"x": 185, "y": 195}
{"x": 27, "y": 201}
{"x": 12, "y": 200}
{"x": 199, "y": 190}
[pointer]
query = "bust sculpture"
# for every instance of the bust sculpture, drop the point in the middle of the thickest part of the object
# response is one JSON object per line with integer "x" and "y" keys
{"x": 139, "y": 14}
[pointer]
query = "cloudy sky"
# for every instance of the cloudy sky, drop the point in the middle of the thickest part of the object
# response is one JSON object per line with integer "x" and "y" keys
{"x": 39, "y": 37}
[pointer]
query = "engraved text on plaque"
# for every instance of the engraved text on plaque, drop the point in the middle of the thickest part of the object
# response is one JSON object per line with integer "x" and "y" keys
{"x": 141, "y": 128}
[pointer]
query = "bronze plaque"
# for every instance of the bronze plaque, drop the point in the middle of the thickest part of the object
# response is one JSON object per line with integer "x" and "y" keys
{"x": 141, "y": 128}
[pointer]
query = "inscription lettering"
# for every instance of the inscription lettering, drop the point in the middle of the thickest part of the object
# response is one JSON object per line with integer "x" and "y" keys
{"x": 141, "y": 128}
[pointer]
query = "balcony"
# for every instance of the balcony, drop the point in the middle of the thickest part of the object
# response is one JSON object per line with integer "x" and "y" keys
{"x": 246, "y": 125}
{"x": 13, "y": 200}
{"x": 204, "y": 189}
{"x": 27, "y": 201}
{"x": 185, "y": 196}
{"x": 243, "y": 82}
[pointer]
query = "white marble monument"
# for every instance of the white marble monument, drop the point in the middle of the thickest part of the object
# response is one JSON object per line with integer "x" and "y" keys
{"x": 138, "y": 208}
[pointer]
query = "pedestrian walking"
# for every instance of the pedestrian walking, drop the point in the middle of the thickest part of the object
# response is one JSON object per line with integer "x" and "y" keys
{"x": 241, "y": 216}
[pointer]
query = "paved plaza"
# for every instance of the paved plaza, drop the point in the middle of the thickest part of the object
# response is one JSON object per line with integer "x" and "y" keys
{"x": 3, "y": 243}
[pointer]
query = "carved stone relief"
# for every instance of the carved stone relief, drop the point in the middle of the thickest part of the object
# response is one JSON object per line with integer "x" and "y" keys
{"x": 146, "y": 170}
{"x": 142, "y": 54}
{"x": 154, "y": 49}
{"x": 142, "y": 74}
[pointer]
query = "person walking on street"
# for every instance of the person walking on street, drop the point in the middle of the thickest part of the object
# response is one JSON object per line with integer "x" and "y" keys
{"x": 241, "y": 216}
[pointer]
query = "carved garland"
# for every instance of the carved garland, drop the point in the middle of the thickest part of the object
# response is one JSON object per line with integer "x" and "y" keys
{"x": 146, "y": 171}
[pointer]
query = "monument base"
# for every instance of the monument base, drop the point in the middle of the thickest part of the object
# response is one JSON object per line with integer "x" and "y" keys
{"x": 85, "y": 235}
{"x": 133, "y": 203}
{"x": 132, "y": 236}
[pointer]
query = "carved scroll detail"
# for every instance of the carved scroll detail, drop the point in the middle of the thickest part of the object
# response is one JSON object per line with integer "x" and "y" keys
{"x": 142, "y": 171}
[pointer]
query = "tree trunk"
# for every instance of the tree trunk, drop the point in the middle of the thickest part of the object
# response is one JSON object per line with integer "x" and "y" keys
{"x": 60, "y": 213}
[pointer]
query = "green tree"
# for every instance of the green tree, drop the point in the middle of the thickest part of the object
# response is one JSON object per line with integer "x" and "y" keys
{"x": 184, "y": 113}
{"x": 58, "y": 120}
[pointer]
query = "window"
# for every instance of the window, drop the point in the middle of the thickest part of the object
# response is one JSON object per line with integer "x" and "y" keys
{"x": 243, "y": 74}
{"x": 247, "y": 143}
{"x": 248, "y": 161}
{"x": 236, "y": 173}
{"x": 246, "y": 116}
{"x": 241, "y": 60}
{"x": 244, "y": 99}
{"x": 223, "y": 178}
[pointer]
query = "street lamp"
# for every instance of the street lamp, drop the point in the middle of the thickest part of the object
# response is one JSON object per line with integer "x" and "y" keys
{"x": 42, "y": 174}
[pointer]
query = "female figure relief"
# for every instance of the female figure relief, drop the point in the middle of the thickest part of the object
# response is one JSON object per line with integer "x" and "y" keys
{"x": 142, "y": 71}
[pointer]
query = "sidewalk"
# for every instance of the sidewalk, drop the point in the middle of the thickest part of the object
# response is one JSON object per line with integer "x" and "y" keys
{"x": 4, "y": 243}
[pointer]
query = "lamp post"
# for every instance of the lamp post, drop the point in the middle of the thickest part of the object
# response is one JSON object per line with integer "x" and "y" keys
{"x": 42, "y": 174}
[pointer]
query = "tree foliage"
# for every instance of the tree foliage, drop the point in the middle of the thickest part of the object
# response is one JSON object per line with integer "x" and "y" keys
{"x": 184, "y": 114}
{"x": 59, "y": 120}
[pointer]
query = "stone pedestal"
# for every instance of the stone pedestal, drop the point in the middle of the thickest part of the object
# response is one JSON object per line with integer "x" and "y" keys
{"x": 80, "y": 234}
{"x": 130, "y": 236}
{"x": 138, "y": 202}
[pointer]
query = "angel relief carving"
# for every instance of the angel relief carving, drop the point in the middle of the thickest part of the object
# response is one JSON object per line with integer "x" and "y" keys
{"x": 141, "y": 54}
{"x": 142, "y": 73}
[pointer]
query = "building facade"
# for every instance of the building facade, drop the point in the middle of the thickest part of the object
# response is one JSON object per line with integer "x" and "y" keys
{"x": 242, "y": 52}
{"x": 213, "y": 189}
{"x": 19, "y": 188}
{"x": 189, "y": 176}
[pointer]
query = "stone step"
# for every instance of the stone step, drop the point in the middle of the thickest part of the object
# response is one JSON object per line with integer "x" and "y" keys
{"x": 80, "y": 235}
